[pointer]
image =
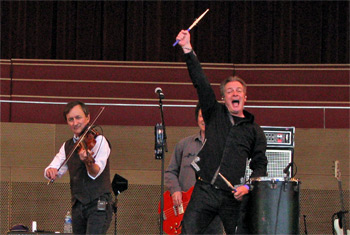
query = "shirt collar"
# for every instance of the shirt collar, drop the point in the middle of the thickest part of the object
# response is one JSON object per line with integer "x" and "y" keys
{"x": 75, "y": 139}
{"x": 199, "y": 137}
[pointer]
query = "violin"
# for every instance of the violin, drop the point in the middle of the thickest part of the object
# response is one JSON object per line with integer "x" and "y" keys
{"x": 88, "y": 142}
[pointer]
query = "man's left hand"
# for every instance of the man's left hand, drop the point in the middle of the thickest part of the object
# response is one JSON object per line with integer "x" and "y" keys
{"x": 240, "y": 192}
{"x": 85, "y": 156}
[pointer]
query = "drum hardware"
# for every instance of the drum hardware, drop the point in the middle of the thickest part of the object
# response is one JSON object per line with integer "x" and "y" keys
{"x": 273, "y": 184}
{"x": 285, "y": 186}
{"x": 295, "y": 180}
{"x": 296, "y": 185}
{"x": 296, "y": 188}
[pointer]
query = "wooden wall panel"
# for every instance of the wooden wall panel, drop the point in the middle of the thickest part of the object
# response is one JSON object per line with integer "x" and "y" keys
{"x": 23, "y": 160}
{"x": 26, "y": 145}
{"x": 132, "y": 155}
{"x": 315, "y": 152}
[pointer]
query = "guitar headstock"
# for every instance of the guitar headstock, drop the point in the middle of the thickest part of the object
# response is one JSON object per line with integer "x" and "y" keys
{"x": 337, "y": 173}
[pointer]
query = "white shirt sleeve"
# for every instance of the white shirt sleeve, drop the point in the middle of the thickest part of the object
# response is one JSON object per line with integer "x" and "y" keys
{"x": 101, "y": 152}
{"x": 57, "y": 161}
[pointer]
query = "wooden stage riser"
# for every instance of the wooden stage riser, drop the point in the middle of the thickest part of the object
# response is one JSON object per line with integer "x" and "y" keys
{"x": 175, "y": 116}
{"x": 263, "y": 94}
{"x": 311, "y": 87}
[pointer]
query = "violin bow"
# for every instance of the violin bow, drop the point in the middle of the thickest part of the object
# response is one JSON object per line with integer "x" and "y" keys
{"x": 192, "y": 25}
{"x": 81, "y": 138}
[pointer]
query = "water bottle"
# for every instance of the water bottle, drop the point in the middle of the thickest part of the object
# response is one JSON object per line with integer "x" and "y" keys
{"x": 68, "y": 223}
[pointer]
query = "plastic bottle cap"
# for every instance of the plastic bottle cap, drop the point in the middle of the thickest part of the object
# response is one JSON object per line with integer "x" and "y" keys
{"x": 34, "y": 226}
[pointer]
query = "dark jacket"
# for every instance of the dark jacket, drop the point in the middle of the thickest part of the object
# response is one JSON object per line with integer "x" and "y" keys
{"x": 83, "y": 188}
{"x": 228, "y": 146}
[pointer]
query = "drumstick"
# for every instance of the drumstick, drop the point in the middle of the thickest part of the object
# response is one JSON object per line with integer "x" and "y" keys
{"x": 192, "y": 25}
{"x": 228, "y": 183}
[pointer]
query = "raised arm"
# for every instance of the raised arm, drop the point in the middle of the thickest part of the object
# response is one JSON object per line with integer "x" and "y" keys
{"x": 205, "y": 92}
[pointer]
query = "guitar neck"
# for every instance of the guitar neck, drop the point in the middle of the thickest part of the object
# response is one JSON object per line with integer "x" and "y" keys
{"x": 342, "y": 206}
{"x": 341, "y": 196}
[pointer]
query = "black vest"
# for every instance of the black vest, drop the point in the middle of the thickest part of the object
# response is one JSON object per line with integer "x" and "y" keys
{"x": 83, "y": 188}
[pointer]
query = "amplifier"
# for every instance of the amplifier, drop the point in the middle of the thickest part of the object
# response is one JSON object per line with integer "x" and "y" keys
{"x": 279, "y": 151}
{"x": 277, "y": 159}
{"x": 279, "y": 136}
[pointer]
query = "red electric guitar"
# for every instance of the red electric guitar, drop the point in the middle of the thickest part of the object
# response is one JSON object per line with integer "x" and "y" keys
{"x": 340, "y": 223}
{"x": 172, "y": 215}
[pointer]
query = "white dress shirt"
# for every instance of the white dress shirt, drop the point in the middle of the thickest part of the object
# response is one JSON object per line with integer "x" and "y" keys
{"x": 100, "y": 151}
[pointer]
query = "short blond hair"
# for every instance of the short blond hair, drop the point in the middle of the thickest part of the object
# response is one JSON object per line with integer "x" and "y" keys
{"x": 232, "y": 79}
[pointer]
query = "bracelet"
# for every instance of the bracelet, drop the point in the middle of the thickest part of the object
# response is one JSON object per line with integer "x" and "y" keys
{"x": 247, "y": 186}
{"x": 186, "y": 48}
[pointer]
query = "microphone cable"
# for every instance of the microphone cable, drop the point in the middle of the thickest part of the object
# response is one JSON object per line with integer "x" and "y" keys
{"x": 278, "y": 206}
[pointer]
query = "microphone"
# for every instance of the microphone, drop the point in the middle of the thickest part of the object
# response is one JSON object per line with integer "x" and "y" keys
{"x": 286, "y": 170}
{"x": 159, "y": 91}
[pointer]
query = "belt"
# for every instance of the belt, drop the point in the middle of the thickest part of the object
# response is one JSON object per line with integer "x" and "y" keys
{"x": 213, "y": 185}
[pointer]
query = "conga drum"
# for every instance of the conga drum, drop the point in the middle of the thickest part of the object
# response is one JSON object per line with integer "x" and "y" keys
{"x": 273, "y": 206}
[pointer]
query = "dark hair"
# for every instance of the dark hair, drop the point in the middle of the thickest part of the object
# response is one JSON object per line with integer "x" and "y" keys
{"x": 232, "y": 79}
{"x": 198, "y": 107}
{"x": 71, "y": 105}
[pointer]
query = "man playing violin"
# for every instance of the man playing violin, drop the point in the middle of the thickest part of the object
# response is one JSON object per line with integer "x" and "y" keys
{"x": 89, "y": 174}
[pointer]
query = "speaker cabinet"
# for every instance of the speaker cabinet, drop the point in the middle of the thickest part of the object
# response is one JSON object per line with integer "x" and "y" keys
{"x": 277, "y": 159}
{"x": 279, "y": 151}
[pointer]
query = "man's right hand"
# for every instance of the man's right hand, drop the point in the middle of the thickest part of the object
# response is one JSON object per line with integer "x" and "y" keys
{"x": 184, "y": 38}
{"x": 177, "y": 198}
{"x": 51, "y": 173}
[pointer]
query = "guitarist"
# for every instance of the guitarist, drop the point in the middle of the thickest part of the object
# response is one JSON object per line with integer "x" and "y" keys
{"x": 180, "y": 176}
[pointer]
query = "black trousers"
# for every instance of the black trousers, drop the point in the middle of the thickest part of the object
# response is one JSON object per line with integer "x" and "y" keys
{"x": 206, "y": 203}
{"x": 87, "y": 219}
{"x": 215, "y": 227}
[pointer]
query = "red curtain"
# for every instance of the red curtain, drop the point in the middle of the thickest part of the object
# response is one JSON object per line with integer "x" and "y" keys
{"x": 266, "y": 32}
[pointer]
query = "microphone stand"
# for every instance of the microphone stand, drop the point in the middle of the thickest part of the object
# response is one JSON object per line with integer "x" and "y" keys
{"x": 119, "y": 184}
{"x": 115, "y": 210}
{"x": 287, "y": 173}
{"x": 305, "y": 228}
{"x": 165, "y": 144}
{"x": 160, "y": 146}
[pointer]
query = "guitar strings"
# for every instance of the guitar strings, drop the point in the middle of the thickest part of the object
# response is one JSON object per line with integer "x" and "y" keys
{"x": 169, "y": 211}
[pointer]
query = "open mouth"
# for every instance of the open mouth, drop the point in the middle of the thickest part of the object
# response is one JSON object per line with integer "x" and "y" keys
{"x": 235, "y": 103}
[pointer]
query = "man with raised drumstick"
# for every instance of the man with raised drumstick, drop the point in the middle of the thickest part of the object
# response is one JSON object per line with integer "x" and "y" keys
{"x": 232, "y": 138}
